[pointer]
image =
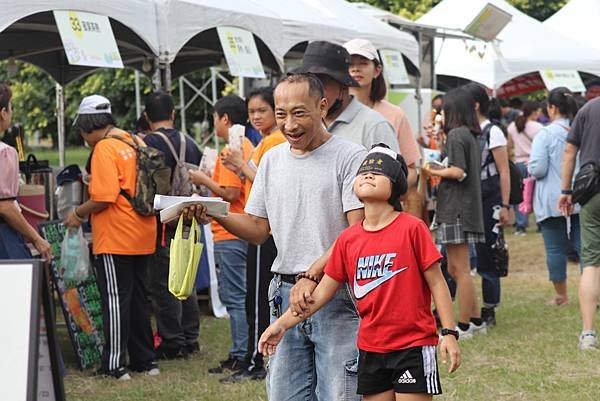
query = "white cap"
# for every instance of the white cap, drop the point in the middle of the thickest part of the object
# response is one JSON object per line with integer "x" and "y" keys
{"x": 362, "y": 47}
{"x": 94, "y": 104}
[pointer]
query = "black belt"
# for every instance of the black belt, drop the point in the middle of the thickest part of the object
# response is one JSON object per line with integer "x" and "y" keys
{"x": 288, "y": 278}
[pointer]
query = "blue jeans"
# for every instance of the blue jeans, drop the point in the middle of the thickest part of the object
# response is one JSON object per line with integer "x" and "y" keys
{"x": 521, "y": 220}
{"x": 554, "y": 231}
{"x": 230, "y": 261}
{"x": 317, "y": 360}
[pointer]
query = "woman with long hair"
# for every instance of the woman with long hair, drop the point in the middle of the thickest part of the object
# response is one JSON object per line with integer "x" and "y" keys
{"x": 545, "y": 164}
{"x": 261, "y": 113}
{"x": 459, "y": 211}
{"x": 367, "y": 70}
{"x": 520, "y": 138}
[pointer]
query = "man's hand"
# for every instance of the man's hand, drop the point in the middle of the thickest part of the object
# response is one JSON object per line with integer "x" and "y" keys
{"x": 270, "y": 338}
{"x": 199, "y": 177}
{"x": 565, "y": 205}
{"x": 43, "y": 247}
{"x": 503, "y": 217}
{"x": 71, "y": 221}
{"x": 198, "y": 212}
{"x": 300, "y": 296}
{"x": 233, "y": 160}
{"x": 449, "y": 346}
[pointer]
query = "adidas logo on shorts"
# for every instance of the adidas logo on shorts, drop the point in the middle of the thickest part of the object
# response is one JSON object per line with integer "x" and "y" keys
{"x": 407, "y": 378}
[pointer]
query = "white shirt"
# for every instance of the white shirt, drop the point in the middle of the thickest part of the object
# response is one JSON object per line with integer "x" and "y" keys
{"x": 497, "y": 139}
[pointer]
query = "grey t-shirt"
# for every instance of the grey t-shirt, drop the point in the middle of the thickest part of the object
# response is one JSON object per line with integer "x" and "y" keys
{"x": 360, "y": 124}
{"x": 305, "y": 198}
{"x": 585, "y": 132}
{"x": 462, "y": 199}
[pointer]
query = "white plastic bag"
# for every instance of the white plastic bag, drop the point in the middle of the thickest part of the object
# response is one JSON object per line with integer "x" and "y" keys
{"x": 75, "y": 256}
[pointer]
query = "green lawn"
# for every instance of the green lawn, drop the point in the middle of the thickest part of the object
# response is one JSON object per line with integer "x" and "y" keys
{"x": 76, "y": 155}
{"x": 531, "y": 355}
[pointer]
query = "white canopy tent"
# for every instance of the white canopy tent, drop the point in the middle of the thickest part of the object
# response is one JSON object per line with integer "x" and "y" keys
{"x": 578, "y": 20}
{"x": 525, "y": 45}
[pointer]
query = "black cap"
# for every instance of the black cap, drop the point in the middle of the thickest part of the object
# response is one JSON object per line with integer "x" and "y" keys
{"x": 329, "y": 59}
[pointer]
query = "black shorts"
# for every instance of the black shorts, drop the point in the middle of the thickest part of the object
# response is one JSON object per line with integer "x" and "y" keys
{"x": 412, "y": 370}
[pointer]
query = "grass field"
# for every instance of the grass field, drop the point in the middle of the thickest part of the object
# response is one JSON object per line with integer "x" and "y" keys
{"x": 531, "y": 355}
{"x": 76, "y": 155}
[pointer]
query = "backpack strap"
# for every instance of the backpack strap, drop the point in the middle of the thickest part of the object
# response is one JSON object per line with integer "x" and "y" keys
{"x": 484, "y": 141}
{"x": 135, "y": 145}
{"x": 171, "y": 147}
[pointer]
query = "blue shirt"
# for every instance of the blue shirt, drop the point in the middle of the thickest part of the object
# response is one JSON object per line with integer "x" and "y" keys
{"x": 545, "y": 164}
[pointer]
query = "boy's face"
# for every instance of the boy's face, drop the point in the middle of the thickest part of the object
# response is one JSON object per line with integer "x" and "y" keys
{"x": 222, "y": 125}
{"x": 373, "y": 187}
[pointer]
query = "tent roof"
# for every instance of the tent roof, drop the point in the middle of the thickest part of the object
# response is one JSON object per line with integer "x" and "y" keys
{"x": 29, "y": 33}
{"x": 578, "y": 20}
{"x": 524, "y": 45}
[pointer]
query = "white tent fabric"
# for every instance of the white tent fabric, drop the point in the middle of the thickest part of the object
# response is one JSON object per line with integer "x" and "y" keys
{"x": 525, "y": 45}
{"x": 337, "y": 21}
{"x": 578, "y": 20}
{"x": 138, "y": 15}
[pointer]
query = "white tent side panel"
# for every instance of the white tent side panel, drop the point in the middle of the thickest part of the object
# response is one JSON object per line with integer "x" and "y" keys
{"x": 578, "y": 20}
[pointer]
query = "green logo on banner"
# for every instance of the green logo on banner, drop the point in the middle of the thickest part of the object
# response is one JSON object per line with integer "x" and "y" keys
{"x": 396, "y": 97}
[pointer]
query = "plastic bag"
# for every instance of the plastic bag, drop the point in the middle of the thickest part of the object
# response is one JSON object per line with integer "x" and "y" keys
{"x": 526, "y": 207}
{"x": 75, "y": 256}
{"x": 185, "y": 252}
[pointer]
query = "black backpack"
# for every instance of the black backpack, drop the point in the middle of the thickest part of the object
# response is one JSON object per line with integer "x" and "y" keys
{"x": 487, "y": 158}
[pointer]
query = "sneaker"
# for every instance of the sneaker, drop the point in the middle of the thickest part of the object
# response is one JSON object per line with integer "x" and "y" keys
{"x": 120, "y": 374}
{"x": 148, "y": 370}
{"x": 481, "y": 329}
{"x": 465, "y": 334}
{"x": 245, "y": 375}
{"x": 192, "y": 348}
{"x": 520, "y": 232}
{"x": 230, "y": 363}
{"x": 588, "y": 341}
{"x": 171, "y": 351}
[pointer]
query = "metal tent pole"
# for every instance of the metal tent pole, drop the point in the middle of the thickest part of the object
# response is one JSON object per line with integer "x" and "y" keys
{"x": 60, "y": 123}
{"x": 182, "y": 104}
{"x": 138, "y": 103}
{"x": 213, "y": 77}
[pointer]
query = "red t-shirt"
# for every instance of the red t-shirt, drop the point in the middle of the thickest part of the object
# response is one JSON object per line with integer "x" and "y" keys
{"x": 385, "y": 269}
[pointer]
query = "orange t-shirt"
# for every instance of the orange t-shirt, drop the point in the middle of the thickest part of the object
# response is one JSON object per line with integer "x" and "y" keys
{"x": 118, "y": 229}
{"x": 227, "y": 178}
{"x": 273, "y": 139}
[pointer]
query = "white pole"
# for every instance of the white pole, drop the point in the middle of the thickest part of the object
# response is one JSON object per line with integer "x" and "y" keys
{"x": 213, "y": 77}
{"x": 60, "y": 123}
{"x": 182, "y": 104}
{"x": 138, "y": 102}
{"x": 241, "y": 89}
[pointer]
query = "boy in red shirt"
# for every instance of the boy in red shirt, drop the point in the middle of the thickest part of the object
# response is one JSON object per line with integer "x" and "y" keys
{"x": 393, "y": 266}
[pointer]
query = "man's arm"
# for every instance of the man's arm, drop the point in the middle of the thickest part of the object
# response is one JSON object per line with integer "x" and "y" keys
{"x": 229, "y": 194}
{"x": 300, "y": 294}
{"x": 246, "y": 226}
{"x": 501, "y": 159}
{"x": 565, "y": 202}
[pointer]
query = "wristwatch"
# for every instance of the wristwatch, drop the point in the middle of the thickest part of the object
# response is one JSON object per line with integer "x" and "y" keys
{"x": 507, "y": 207}
{"x": 446, "y": 332}
{"x": 566, "y": 191}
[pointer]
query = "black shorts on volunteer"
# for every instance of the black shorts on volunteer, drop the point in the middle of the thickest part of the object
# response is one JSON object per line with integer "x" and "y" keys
{"x": 413, "y": 370}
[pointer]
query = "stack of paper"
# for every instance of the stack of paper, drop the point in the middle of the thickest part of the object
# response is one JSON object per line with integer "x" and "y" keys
{"x": 236, "y": 137}
{"x": 171, "y": 206}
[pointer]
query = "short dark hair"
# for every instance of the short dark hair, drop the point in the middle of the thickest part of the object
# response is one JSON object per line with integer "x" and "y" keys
{"x": 159, "y": 106}
{"x": 495, "y": 110}
{"x": 235, "y": 108}
{"x": 142, "y": 125}
{"x": 265, "y": 93}
{"x": 459, "y": 110}
{"x": 564, "y": 99}
{"x": 378, "y": 86}
{"x": 480, "y": 95}
{"x": 87, "y": 123}
{"x": 5, "y": 96}
{"x": 515, "y": 103}
{"x": 315, "y": 86}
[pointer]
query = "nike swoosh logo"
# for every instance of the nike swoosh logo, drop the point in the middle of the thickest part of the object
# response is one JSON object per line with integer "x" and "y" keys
{"x": 361, "y": 290}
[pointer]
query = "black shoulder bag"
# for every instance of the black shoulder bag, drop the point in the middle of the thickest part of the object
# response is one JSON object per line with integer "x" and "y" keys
{"x": 587, "y": 183}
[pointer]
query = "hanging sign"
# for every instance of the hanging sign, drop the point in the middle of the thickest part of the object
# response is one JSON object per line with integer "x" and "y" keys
{"x": 490, "y": 21}
{"x": 240, "y": 52}
{"x": 88, "y": 39}
{"x": 567, "y": 78}
{"x": 393, "y": 67}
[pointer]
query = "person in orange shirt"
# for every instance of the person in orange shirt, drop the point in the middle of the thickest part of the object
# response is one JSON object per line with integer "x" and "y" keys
{"x": 261, "y": 111}
{"x": 230, "y": 251}
{"x": 122, "y": 241}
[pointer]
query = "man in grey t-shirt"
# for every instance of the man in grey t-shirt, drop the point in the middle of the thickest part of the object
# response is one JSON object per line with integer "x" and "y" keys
{"x": 346, "y": 117}
{"x": 303, "y": 194}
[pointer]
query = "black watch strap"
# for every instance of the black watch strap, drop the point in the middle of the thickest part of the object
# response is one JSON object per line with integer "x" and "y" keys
{"x": 507, "y": 207}
{"x": 566, "y": 191}
{"x": 446, "y": 332}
